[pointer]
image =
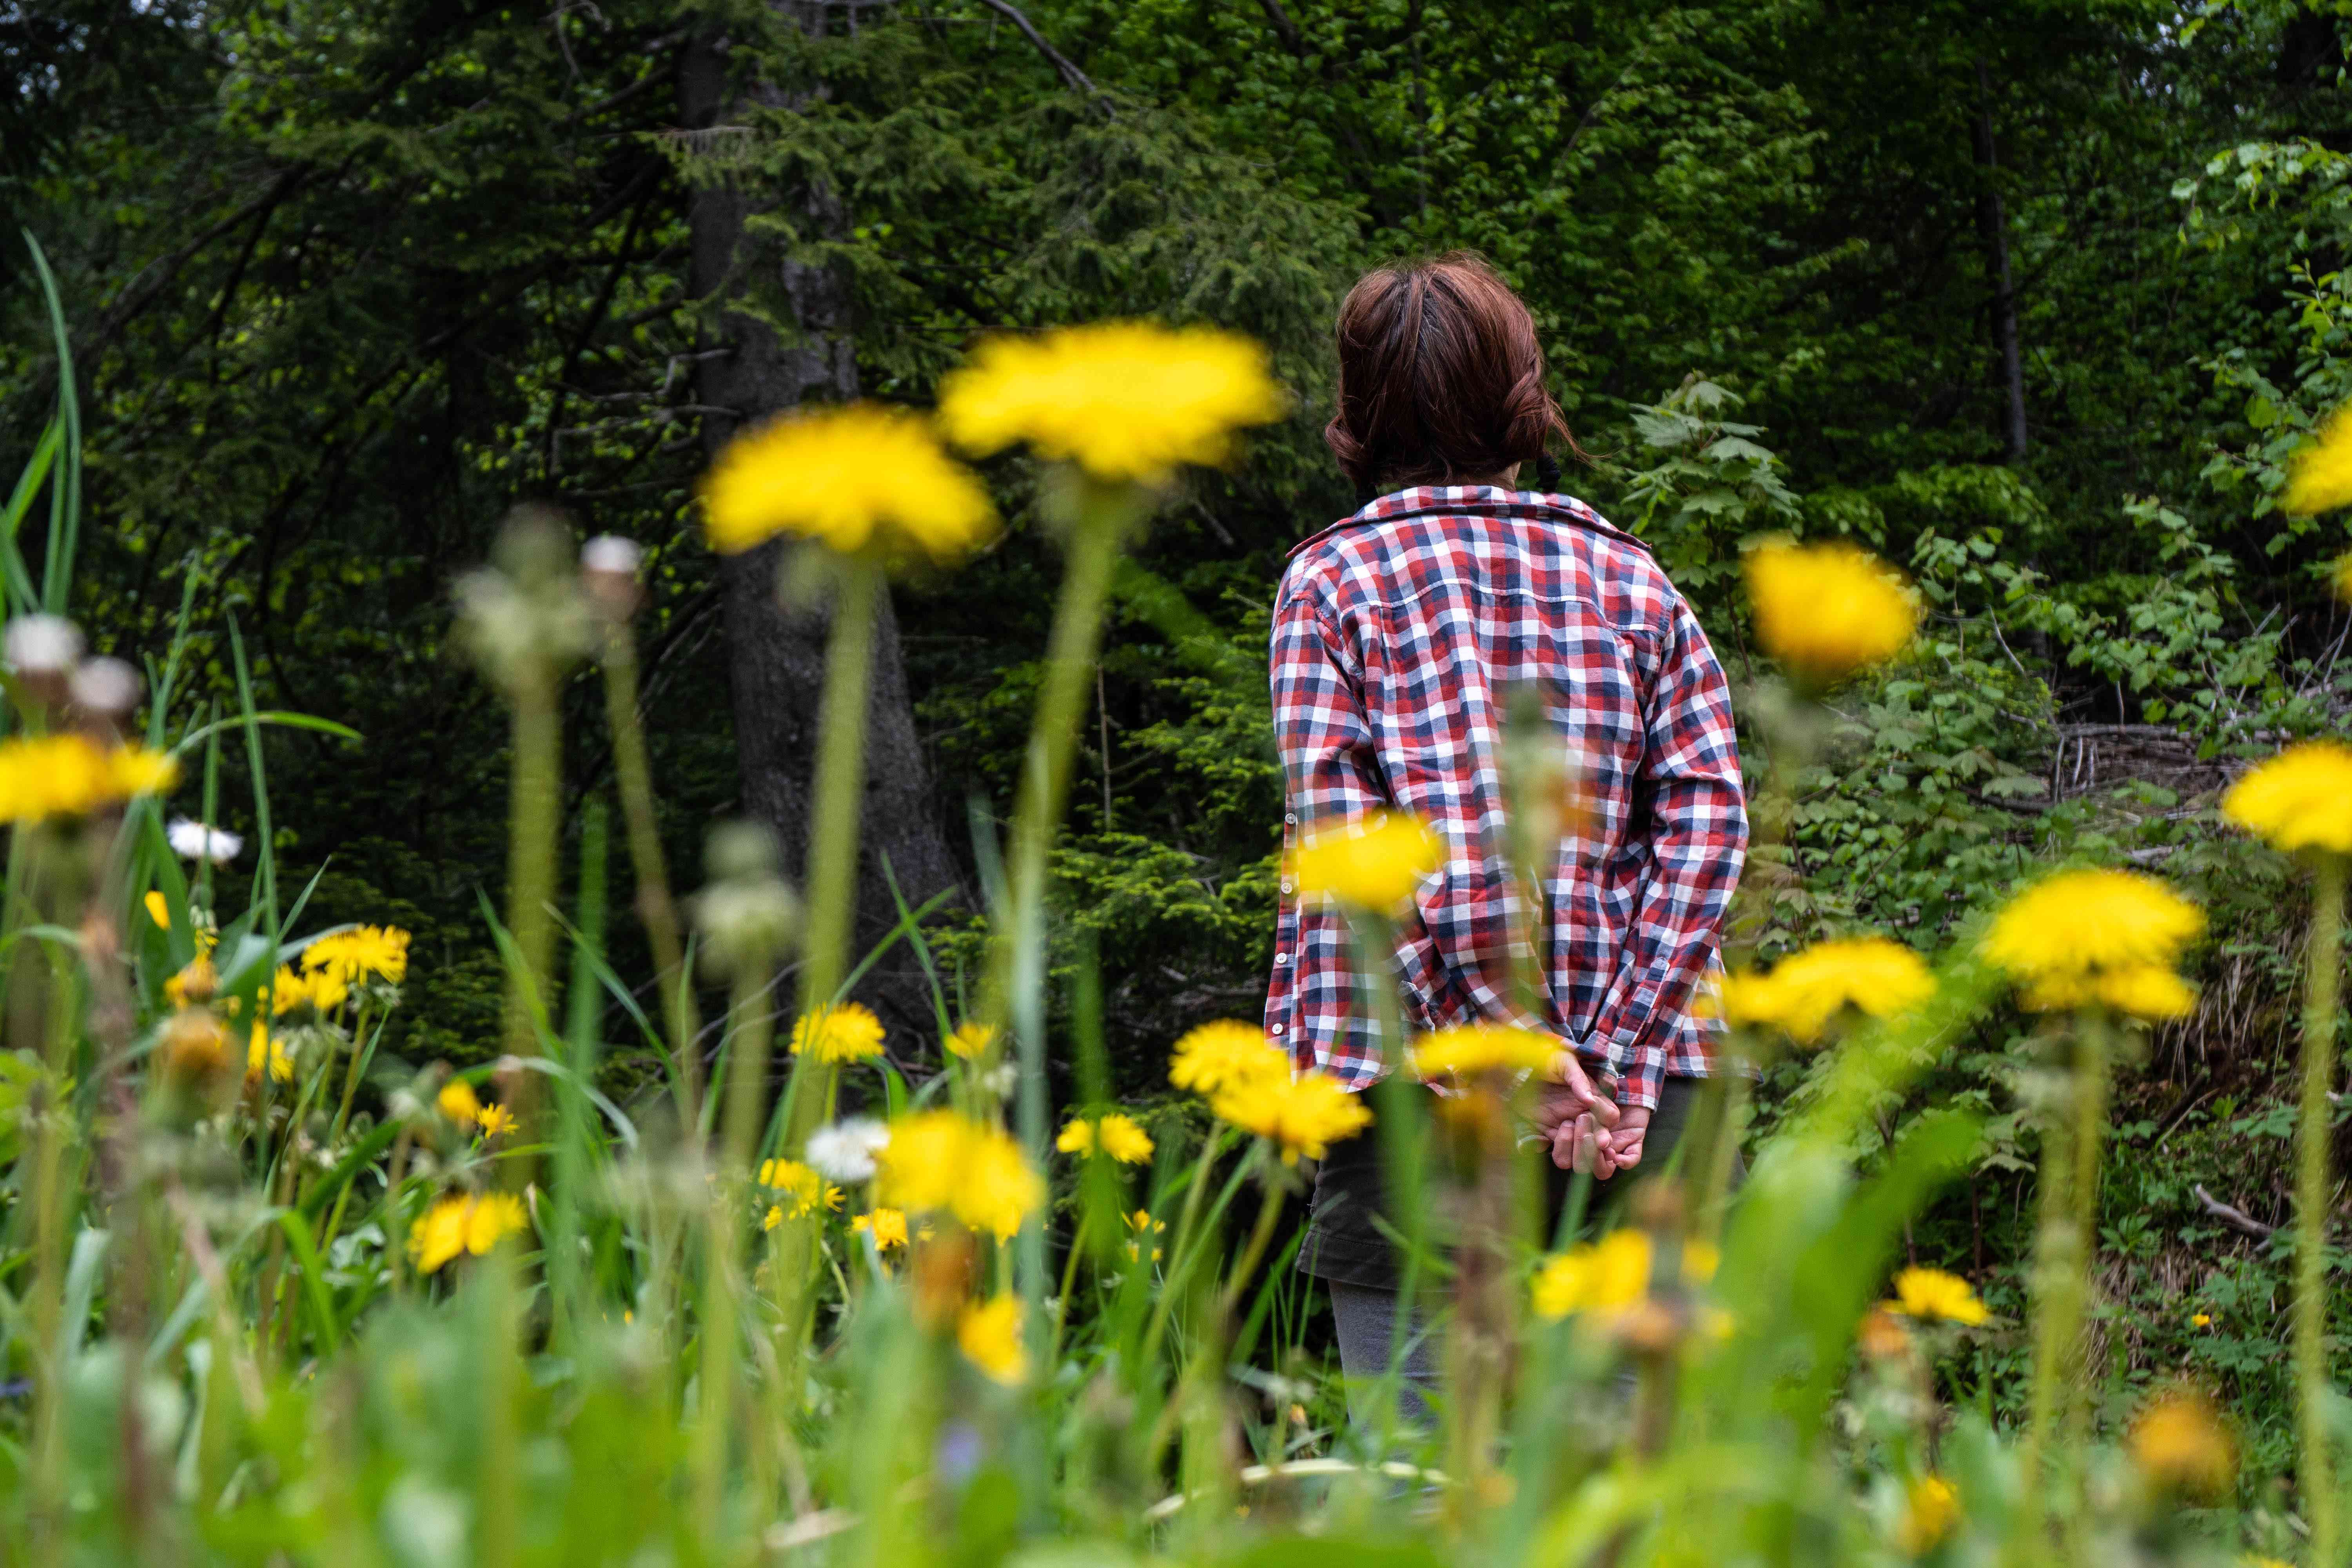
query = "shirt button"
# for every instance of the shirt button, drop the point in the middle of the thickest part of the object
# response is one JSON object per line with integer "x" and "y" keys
{"x": 1285, "y": 884}
{"x": 1291, "y": 817}
{"x": 1282, "y": 958}
{"x": 1277, "y": 1028}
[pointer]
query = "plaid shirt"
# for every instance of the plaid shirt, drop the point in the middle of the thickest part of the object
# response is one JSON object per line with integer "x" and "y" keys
{"x": 1397, "y": 635}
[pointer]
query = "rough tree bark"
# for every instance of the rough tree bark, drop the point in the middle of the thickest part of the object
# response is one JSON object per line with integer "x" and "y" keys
{"x": 776, "y": 654}
{"x": 1992, "y": 226}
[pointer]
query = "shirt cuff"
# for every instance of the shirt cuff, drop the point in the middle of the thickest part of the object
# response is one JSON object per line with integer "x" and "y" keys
{"x": 1640, "y": 1069}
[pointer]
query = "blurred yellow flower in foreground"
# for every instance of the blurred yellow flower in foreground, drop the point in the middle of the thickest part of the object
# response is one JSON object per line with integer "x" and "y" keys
{"x": 1467, "y": 1049}
{"x": 2300, "y": 799}
{"x": 42, "y": 777}
{"x": 263, "y": 1053}
{"x": 1115, "y": 1134}
{"x": 194, "y": 1044}
{"x": 808, "y": 1191}
{"x": 852, "y": 479}
{"x": 990, "y": 1337}
{"x": 2148, "y": 990}
{"x": 463, "y": 1223}
{"x": 1223, "y": 1055}
{"x": 887, "y": 1227}
{"x": 1872, "y": 974}
{"x": 1931, "y": 1507}
{"x": 458, "y": 1102}
{"x": 849, "y": 1033}
{"x": 1825, "y": 611}
{"x": 971, "y": 1040}
{"x": 360, "y": 954}
{"x": 1123, "y": 400}
{"x": 1303, "y": 1116}
{"x": 2179, "y": 1444}
{"x": 196, "y": 982}
{"x": 2319, "y": 477}
{"x": 940, "y": 1160}
{"x": 1604, "y": 1276}
{"x": 1929, "y": 1294}
{"x": 2091, "y": 923}
{"x": 1373, "y": 863}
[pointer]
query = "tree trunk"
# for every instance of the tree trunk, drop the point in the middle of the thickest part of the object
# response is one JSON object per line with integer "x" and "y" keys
{"x": 1992, "y": 226}
{"x": 776, "y": 653}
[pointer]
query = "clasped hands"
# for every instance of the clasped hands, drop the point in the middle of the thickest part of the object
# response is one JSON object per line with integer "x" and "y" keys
{"x": 1589, "y": 1131}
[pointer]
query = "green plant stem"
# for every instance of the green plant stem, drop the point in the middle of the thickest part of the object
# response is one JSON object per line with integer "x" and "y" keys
{"x": 531, "y": 879}
{"x": 350, "y": 1078}
{"x": 1237, "y": 1280}
{"x": 834, "y": 831}
{"x": 746, "y": 1071}
{"x": 633, "y": 774}
{"x": 2315, "y": 1477}
{"x": 1104, "y": 517}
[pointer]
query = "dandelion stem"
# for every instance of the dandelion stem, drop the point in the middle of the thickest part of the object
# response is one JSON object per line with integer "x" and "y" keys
{"x": 1104, "y": 517}
{"x": 531, "y": 872}
{"x": 655, "y": 908}
{"x": 2315, "y": 1478}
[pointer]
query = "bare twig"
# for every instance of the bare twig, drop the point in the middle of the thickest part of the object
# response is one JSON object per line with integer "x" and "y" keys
{"x": 2236, "y": 1218}
{"x": 1071, "y": 74}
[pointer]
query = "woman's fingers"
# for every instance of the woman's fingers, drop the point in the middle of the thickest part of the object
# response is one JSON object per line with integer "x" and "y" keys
{"x": 1570, "y": 1074}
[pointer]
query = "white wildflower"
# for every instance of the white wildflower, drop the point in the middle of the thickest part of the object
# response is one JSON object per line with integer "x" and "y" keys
{"x": 845, "y": 1151}
{"x": 195, "y": 841}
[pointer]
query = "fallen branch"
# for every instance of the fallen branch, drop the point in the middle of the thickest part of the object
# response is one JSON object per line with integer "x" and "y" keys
{"x": 2234, "y": 1218}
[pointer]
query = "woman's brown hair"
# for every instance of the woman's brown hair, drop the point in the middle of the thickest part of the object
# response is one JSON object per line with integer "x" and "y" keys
{"x": 1441, "y": 379}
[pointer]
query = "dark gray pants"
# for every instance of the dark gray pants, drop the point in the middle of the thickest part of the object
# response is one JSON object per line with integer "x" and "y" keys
{"x": 1365, "y": 1316}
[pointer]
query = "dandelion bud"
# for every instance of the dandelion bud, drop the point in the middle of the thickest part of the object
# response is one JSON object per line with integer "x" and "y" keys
{"x": 524, "y": 616}
{"x": 608, "y": 571}
{"x": 747, "y": 914}
{"x": 194, "y": 1046}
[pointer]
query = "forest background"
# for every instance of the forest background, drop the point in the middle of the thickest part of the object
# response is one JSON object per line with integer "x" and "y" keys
{"x": 2033, "y": 297}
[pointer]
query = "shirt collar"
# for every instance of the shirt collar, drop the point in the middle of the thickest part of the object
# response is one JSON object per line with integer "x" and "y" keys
{"x": 1474, "y": 501}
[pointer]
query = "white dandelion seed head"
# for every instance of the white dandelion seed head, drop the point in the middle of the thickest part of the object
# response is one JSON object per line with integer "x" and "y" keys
{"x": 43, "y": 645}
{"x": 195, "y": 841}
{"x": 844, "y": 1150}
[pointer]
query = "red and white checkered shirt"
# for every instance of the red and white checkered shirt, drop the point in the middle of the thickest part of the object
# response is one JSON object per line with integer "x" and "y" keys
{"x": 1398, "y": 635}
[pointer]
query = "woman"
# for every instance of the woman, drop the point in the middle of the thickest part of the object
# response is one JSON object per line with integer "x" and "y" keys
{"x": 1398, "y": 634}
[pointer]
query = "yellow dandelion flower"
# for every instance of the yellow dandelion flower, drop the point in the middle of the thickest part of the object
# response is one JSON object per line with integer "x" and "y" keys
{"x": 1145, "y": 1228}
{"x": 496, "y": 1121}
{"x": 1123, "y": 400}
{"x": 2148, "y": 991}
{"x": 458, "y": 1102}
{"x": 772, "y": 1218}
{"x": 1931, "y": 1508}
{"x": 464, "y": 1223}
{"x": 2319, "y": 477}
{"x": 990, "y": 1337}
{"x": 887, "y": 1227}
{"x": 1374, "y": 863}
{"x": 1605, "y": 1276}
{"x": 853, "y": 479}
{"x": 136, "y": 770}
{"x": 808, "y": 1191}
{"x": 1223, "y": 1054}
{"x": 849, "y": 1033}
{"x": 1805, "y": 991}
{"x": 2090, "y": 921}
{"x": 1302, "y": 1116}
{"x": 1117, "y": 1135}
{"x": 1467, "y": 1049}
{"x": 264, "y": 1054}
{"x": 42, "y": 777}
{"x": 323, "y": 990}
{"x": 2300, "y": 799}
{"x": 196, "y": 982}
{"x": 159, "y": 909}
{"x": 970, "y": 1041}
{"x": 194, "y": 1044}
{"x": 1825, "y": 611}
{"x": 2179, "y": 1443}
{"x": 940, "y": 1160}
{"x": 1928, "y": 1294}
{"x": 2200, "y": 1321}
{"x": 363, "y": 952}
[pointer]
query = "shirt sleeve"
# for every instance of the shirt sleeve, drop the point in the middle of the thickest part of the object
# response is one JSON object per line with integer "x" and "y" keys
{"x": 1689, "y": 781}
{"x": 1331, "y": 775}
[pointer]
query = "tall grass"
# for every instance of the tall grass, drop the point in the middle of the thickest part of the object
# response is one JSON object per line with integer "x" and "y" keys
{"x": 271, "y": 1319}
